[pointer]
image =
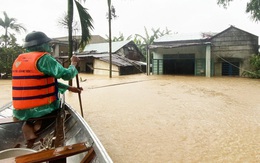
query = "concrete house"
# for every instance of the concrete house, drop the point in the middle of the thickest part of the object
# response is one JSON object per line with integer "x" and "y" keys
{"x": 126, "y": 59}
{"x": 223, "y": 54}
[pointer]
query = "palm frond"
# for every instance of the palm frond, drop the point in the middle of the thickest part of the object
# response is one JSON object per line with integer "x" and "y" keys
{"x": 17, "y": 27}
{"x": 86, "y": 23}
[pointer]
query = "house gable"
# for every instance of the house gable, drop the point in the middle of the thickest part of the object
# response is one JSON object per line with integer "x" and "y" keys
{"x": 234, "y": 30}
{"x": 127, "y": 49}
{"x": 234, "y": 42}
{"x": 126, "y": 57}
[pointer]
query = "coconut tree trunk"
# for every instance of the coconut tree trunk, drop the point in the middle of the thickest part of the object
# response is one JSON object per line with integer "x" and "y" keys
{"x": 70, "y": 20}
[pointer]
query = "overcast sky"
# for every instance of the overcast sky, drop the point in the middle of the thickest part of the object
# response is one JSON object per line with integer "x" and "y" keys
{"x": 182, "y": 16}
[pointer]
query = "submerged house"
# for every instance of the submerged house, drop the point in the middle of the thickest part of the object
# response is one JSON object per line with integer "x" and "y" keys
{"x": 60, "y": 44}
{"x": 222, "y": 54}
{"x": 126, "y": 59}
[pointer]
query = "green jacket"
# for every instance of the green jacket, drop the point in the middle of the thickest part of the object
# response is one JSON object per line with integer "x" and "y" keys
{"x": 49, "y": 66}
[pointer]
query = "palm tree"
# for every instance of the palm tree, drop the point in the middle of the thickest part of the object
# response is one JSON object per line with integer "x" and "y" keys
{"x": 10, "y": 23}
{"x": 85, "y": 22}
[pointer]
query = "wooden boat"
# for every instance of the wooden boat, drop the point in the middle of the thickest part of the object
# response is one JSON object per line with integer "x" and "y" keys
{"x": 80, "y": 144}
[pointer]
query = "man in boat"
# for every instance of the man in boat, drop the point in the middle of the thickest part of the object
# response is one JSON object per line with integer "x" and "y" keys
{"x": 34, "y": 83}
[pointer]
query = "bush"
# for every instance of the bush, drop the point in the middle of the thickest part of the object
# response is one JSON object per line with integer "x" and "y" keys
{"x": 7, "y": 57}
{"x": 254, "y": 71}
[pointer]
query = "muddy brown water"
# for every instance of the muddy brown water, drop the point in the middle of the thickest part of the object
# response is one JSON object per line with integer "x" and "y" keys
{"x": 141, "y": 118}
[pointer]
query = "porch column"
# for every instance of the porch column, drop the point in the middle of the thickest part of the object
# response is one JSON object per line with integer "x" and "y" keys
{"x": 148, "y": 62}
{"x": 56, "y": 52}
{"x": 208, "y": 59}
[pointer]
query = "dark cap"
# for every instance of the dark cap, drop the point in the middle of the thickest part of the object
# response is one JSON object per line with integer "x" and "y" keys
{"x": 35, "y": 38}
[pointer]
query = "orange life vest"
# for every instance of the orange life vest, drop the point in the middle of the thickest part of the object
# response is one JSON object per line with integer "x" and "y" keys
{"x": 31, "y": 88}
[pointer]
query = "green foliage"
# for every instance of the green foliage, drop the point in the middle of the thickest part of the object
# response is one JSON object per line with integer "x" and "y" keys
{"x": 9, "y": 49}
{"x": 8, "y": 41}
{"x": 252, "y": 7}
{"x": 254, "y": 67}
{"x": 7, "y": 57}
{"x": 142, "y": 42}
{"x": 225, "y": 3}
{"x": 121, "y": 37}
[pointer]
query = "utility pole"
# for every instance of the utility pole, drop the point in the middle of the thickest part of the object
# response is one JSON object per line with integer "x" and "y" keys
{"x": 110, "y": 41}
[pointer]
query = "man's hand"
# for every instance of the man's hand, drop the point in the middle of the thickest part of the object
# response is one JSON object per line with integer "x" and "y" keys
{"x": 74, "y": 60}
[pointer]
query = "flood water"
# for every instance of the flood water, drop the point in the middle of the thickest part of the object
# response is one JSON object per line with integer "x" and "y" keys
{"x": 141, "y": 118}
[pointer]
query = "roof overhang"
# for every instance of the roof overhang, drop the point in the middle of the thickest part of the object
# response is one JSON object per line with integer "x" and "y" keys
{"x": 177, "y": 45}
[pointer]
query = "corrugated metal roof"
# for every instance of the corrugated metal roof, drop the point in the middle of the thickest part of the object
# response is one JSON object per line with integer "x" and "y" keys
{"x": 92, "y": 55}
{"x": 104, "y": 47}
{"x": 121, "y": 61}
{"x": 116, "y": 59}
{"x": 180, "y": 37}
{"x": 169, "y": 46}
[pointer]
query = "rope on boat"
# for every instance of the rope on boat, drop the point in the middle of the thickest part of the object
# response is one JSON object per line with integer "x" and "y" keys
{"x": 47, "y": 142}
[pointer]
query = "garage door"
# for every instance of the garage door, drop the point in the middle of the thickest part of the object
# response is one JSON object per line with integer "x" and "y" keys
{"x": 180, "y": 64}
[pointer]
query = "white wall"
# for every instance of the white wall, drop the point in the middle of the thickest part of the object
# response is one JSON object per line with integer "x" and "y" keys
{"x": 102, "y": 68}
